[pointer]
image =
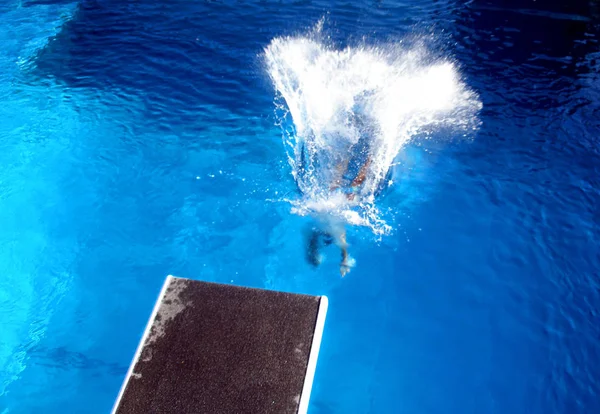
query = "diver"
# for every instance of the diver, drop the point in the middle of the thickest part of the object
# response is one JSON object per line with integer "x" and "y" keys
{"x": 350, "y": 189}
{"x": 350, "y": 171}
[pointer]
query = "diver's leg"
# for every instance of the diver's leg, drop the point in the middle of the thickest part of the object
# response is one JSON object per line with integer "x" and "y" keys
{"x": 345, "y": 265}
{"x": 362, "y": 174}
{"x": 312, "y": 248}
{"x": 340, "y": 170}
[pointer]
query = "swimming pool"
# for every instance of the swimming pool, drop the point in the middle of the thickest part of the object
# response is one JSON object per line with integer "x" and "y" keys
{"x": 138, "y": 139}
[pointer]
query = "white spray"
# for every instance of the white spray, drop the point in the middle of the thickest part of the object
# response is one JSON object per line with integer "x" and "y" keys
{"x": 389, "y": 93}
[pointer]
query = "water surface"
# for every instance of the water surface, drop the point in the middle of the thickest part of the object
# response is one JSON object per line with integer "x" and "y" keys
{"x": 140, "y": 139}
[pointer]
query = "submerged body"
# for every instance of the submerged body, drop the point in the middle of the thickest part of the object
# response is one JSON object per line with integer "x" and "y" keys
{"x": 330, "y": 230}
{"x": 329, "y": 102}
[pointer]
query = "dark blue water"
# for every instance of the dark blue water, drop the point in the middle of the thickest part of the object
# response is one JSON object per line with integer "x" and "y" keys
{"x": 138, "y": 139}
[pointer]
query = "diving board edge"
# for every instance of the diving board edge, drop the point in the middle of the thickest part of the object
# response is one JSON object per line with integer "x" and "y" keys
{"x": 142, "y": 342}
{"x": 314, "y": 355}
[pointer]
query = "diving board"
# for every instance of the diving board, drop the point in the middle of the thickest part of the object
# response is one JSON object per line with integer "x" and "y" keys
{"x": 214, "y": 348}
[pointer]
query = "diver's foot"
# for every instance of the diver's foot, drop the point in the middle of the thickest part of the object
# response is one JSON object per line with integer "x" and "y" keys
{"x": 316, "y": 260}
{"x": 347, "y": 264}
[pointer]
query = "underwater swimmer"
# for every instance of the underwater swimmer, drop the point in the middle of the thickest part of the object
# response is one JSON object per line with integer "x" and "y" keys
{"x": 338, "y": 233}
{"x": 349, "y": 174}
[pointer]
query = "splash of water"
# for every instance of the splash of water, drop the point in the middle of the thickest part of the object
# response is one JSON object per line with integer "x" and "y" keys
{"x": 366, "y": 100}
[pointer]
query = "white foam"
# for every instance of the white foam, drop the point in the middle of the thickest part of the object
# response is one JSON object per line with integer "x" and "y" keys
{"x": 398, "y": 93}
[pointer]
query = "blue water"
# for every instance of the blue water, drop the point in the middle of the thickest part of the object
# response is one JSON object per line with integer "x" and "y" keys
{"x": 139, "y": 139}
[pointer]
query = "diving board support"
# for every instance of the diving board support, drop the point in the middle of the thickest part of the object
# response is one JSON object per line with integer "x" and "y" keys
{"x": 216, "y": 348}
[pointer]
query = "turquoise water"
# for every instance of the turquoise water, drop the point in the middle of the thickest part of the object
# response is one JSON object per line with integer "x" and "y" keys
{"x": 144, "y": 139}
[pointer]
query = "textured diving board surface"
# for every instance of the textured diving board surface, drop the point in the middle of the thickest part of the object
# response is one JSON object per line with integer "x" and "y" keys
{"x": 212, "y": 348}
